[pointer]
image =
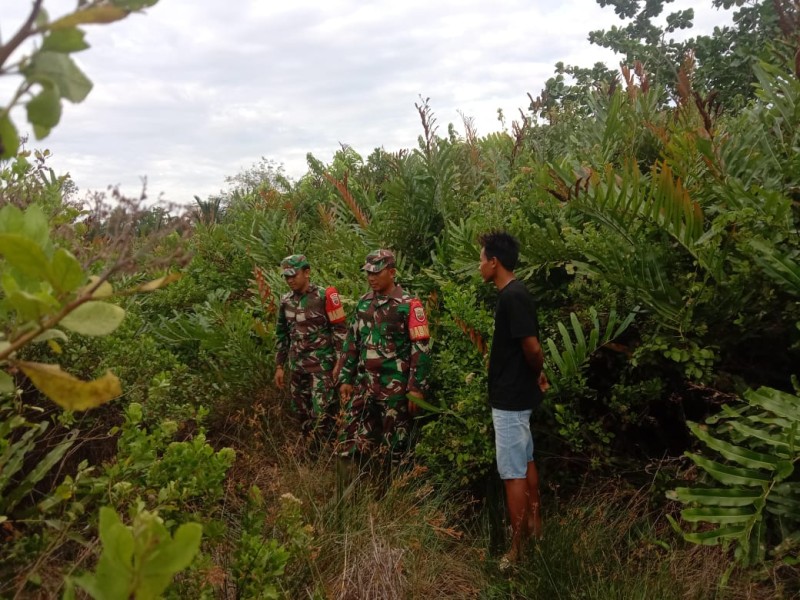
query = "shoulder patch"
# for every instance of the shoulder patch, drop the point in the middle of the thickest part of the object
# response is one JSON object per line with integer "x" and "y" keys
{"x": 333, "y": 305}
{"x": 417, "y": 322}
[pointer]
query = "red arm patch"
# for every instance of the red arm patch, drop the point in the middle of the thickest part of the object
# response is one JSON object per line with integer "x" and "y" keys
{"x": 333, "y": 305}
{"x": 417, "y": 322}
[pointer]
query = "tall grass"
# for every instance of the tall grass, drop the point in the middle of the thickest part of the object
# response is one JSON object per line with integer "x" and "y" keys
{"x": 611, "y": 542}
{"x": 384, "y": 537}
{"x": 403, "y": 537}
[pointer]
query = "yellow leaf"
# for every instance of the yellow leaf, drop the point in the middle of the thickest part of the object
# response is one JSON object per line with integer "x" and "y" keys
{"x": 54, "y": 346}
{"x": 104, "y": 291}
{"x": 158, "y": 283}
{"x": 70, "y": 392}
{"x": 93, "y": 14}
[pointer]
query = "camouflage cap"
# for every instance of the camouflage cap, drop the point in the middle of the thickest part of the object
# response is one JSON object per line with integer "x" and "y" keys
{"x": 378, "y": 260}
{"x": 292, "y": 264}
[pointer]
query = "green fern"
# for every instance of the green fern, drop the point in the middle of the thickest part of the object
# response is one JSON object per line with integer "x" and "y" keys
{"x": 756, "y": 505}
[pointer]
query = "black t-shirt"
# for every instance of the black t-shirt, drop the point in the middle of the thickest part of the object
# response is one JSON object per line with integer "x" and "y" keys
{"x": 512, "y": 383}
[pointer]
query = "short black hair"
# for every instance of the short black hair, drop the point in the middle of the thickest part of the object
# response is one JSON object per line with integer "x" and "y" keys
{"x": 501, "y": 245}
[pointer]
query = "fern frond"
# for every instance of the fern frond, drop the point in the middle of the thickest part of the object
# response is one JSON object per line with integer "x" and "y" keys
{"x": 756, "y": 489}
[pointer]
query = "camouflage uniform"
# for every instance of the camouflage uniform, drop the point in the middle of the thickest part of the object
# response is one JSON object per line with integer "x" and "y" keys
{"x": 310, "y": 332}
{"x": 386, "y": 355}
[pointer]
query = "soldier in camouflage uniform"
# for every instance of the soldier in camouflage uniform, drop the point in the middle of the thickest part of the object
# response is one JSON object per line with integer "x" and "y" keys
{"x": 310, "y": 333}
{"x": 386, "y": 363}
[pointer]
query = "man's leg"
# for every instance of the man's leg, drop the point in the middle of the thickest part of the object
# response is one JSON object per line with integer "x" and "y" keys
{"x": 300, "y": 391}
{"x": 514, "y": 447}
{"x": 517, "y": 504}
{"x": 325, "y": 403}
{"x": 534, "y": 516}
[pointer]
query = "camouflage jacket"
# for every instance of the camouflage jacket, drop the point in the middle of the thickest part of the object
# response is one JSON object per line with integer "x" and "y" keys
{"x": 311, "y": 330}
{"x": 387, "y": 345}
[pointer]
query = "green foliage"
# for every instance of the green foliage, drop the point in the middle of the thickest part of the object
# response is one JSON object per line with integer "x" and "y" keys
{"x": 49, "y": 74}
{"x": 229, "y": 341}
{"x": 755, "y": 505}
{"x": 41, "y": 287}
{"x": 172, "y": 473}
{"x": 619, "y": 199}
{"x": 458, "y": 445}
{"x": 258, "y": 562}
{"x": 18, "y": 439}
{"x": 570, "y": 361}
{"x": 138, "y": 560}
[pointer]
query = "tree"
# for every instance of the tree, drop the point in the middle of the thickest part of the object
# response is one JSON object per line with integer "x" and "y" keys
{"x": 721, "y": 62}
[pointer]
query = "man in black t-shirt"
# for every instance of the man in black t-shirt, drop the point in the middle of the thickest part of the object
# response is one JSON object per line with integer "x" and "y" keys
{"x": 516, "y": 382}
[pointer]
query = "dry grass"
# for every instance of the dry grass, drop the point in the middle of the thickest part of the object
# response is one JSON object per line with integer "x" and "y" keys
{"x": 387, "y": 537}
{"x": 399, "y": 537}
{"x": 612, "y": 541}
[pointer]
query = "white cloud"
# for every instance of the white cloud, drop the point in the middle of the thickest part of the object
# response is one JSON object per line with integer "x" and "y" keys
{"x": 195, "y": 90}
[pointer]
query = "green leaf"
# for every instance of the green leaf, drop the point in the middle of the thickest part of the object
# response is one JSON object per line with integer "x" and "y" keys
{"x": 169, "y": 558}
{"x": 42, "y": 467}
{"x": 556, "y": 356}
{"x": 24, "y": 254}
{"x": 9, "y": 138}
{"x": 579, "y": 337}
{"x": 569, "y": 350}
{"x": 94, "y": 318}
{"x": 31, "y": 225}
{"x": 42, "y": 18}
{"x": 61, "y": 70}
{"x": 69, "y": 39}
{"x": 114, "y": 577}
{"x": 12, "y": 219}
{"x": 51, "y": 334}
{"x": 14, "y": 455}
{"x": 31, "y": 307}
{"x": 69, "y": 589}
{"x": 730, "y": 475}
{"x": 790, "y": 505}
{"x": 715, "y": 496}
{"x": 759, "y": 434}
{"x": 35, "y": 226}
{"x": 743, "y": 456}
{"x": 44, "y": 110}
{"x": 115, "y": 535}
{"x": 134, "y": 4}
{"x": 782, "y": 404}
{"x": 785, "y": 468}
{"x": 719, "y": 515}
{"x": 177, "y": 554}
{"x": 66, "y": 273}
{"x": 104, "y": 290}
{"x": 712, "y": 538}
{"x": 7, "y": 385}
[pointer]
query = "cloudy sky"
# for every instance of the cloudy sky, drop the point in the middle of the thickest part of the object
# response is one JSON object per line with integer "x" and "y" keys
{"x": 193, "y": 91}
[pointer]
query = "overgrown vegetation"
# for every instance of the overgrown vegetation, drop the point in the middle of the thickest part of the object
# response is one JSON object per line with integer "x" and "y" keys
{"x": 658, "y": 215}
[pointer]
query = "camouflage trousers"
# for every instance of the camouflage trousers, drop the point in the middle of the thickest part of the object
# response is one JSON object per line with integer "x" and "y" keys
{"x": 367, "y": 423}
{"x": 314, "y": 401}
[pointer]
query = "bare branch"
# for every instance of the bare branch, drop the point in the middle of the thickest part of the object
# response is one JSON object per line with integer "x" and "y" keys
{"x": 27, "y": 28}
